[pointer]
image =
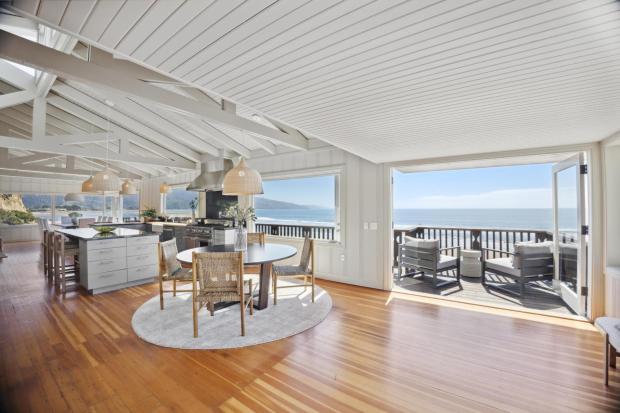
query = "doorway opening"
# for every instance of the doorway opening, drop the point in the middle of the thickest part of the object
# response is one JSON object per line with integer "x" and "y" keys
{"x": 512, "y": 236}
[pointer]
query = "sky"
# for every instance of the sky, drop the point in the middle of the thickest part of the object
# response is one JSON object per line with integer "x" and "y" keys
{"x": 523, "y": 186}
{"x": 316, "y": 190}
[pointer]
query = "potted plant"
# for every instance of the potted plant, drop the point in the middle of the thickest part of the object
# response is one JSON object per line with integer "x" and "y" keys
{"x": 74, "y": 217}
{"x": 241, "y": 216}
{"x": 149, "y": 214}
{"x": 193, "y": 204}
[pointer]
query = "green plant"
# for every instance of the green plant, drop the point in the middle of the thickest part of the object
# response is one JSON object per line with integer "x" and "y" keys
{"x": 241, "y": 215}
{"x": 13, "y": 217}
{"x": 74, "y": 214}
{"x": 149, "y": 213}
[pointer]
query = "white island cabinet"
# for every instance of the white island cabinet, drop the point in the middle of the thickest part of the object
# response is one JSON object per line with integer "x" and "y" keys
{"x": 125, "y": 258}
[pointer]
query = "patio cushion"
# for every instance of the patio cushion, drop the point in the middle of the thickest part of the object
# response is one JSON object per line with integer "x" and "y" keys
{"x": 528, "y": 248}
{"x": 611, "y": 326}
{"x": 446, "y": 261}
{"x": 426, "y": 244}
{"x": 503, "y": 265}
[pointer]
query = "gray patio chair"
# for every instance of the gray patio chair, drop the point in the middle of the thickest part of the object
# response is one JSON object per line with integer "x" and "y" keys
{"x": 424, "y": 257}
{"x": 529, "y": 262}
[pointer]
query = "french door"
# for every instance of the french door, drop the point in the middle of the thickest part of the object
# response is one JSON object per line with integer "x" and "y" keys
{"x": 570, "y": 232}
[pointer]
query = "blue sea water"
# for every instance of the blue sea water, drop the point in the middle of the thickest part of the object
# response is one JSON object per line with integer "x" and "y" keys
{"x": 517, "y": 218}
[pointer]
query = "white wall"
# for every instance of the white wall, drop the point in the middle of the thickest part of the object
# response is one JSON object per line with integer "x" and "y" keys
{"x": 612, "y": 201}
{"x": 359, "y": 258}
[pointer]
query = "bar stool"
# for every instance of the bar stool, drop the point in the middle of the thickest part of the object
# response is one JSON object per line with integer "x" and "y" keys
{"x": 48, "y": 255}
{"x": 44, "y": 246}
{"x": 63, "y": 272}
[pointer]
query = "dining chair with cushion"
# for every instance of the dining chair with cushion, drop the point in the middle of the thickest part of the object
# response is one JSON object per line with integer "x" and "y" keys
{"x": 218, "y": 277}
{"x": 528, "y": 262}
{"x": 424, "y": 257}
{"x": 304, "y": 270}
{"x": 170, "y": 269}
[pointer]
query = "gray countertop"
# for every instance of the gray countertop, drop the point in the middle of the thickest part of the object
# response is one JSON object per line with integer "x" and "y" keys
{"x": 91, "y": 234}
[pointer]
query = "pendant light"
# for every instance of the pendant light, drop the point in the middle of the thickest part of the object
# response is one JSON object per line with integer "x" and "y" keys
{"x": 87, "y": 185}
{"x": 128, "y": 188}
{"x": 106, "y": 180}
{"x": 73, "y": 197}
{"x": 243, "y": 180}
{"x": 164, "y": 188}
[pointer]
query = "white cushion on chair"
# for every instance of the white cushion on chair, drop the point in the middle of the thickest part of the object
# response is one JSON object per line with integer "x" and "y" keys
{"x": 446, "y": 261}
{"x": 426, "y": 244}
{"x": 529, "y": 248}
{"x": 503, "y": 265}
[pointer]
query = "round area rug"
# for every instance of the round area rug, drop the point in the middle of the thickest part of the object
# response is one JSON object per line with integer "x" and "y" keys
{"x": 173, "y": 327}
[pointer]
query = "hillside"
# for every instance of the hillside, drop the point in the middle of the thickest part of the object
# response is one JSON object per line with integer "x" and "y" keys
{"x": 265, "y": 203}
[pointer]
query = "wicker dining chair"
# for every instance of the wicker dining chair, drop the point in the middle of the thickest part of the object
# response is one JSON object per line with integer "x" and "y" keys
{"x": 304, "y": 270}
{"x": 254, "y": 238}
{"x": 170, "y": 269}
{"x": 218, "y": 277}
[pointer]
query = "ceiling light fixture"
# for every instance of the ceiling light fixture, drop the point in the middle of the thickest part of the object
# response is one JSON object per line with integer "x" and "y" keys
{"x": 243, "y": 180}
{"x": 128, "y": 188}
{"x": 164, "y": 188}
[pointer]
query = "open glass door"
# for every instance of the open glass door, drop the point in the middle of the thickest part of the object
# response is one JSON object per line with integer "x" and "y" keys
{"x": 570, "y": 232}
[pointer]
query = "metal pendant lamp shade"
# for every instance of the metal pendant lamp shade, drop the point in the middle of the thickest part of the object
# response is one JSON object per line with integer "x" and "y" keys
{"x": 73, "y": 197}
{"x": 243, "y": 180}
{"x": 106, "y": 181}
{"x": 128, "y": 188}
{"x": 87, "y": 185}
{"x": 164, "y": 188}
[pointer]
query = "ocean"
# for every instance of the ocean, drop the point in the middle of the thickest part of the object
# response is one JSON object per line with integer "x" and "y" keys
{"x": 517, "y": 218}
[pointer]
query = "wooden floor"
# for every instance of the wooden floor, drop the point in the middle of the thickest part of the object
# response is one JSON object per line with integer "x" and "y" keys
{"x": 376, "y": 351}
{"x": 538, "y": 295}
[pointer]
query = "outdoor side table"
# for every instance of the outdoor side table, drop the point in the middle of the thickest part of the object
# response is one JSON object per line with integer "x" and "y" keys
{"x": 470, "y": 263}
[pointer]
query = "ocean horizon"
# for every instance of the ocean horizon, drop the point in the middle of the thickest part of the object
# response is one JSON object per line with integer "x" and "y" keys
{"x": 501, "y": 218}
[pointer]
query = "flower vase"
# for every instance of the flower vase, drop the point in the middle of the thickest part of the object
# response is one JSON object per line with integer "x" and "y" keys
{"x": 193, "y": 216}
{"x": 241, "y": 239}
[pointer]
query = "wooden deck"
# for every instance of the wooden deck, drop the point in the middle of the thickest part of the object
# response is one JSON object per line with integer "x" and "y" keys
{"x": 538, "y": 295}
{"x": 376, "y": 351}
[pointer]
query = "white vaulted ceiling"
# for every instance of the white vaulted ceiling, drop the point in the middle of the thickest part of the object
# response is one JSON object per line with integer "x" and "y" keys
{"x": 387, "y": 80}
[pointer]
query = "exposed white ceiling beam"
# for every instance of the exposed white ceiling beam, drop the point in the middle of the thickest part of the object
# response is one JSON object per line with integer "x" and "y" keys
{"x": 15, "y": 166}
{"x": 38, "y": 117}
{"x": 109, "y": 75}
{"x": 37, "y": 157}
{"x": 125, "y": 121}
{"x": 29, "y": 174}
{"x": 10, "y": 20}
{"x": 15, "y": 98}
{"x": 15, "y": 76}
{"x": 62, "y": 104}
{"x": 47, "y": 144}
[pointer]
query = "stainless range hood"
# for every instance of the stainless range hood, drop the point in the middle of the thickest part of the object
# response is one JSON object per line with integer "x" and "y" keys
{"x": 211, "y": 176}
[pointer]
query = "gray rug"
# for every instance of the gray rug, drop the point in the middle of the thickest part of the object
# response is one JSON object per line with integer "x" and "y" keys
{"x": 173, "y": 326}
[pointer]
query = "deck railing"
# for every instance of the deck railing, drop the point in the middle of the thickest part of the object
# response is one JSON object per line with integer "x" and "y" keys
{"x": 322, "y": 232}
{"x": 499, "y": 240}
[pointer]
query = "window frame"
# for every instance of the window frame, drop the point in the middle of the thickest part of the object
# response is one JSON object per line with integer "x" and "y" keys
{"x": 338, "y": 172}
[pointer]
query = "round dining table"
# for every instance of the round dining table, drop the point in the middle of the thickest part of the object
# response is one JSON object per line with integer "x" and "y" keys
{"x": 256, "y": 254}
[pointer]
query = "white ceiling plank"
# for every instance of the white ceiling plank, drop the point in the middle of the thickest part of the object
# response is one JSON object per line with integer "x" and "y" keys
{"x": 100, "y": 17}
{"x": 130, "y": 13}
{"x": 15, "y": 98}
{"x": 17, "y": 21}
{"x": 166, "y": 32}
{"x": 214, "y": 12}
{"x": 214, "y": 33}
{"x": 76, "y": 14}
{"x": 52, "y": 11}
{"x": 141, "y": 31}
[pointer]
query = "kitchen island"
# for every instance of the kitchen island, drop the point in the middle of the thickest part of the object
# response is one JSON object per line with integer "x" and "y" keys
{"x": 123, "y": 258}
